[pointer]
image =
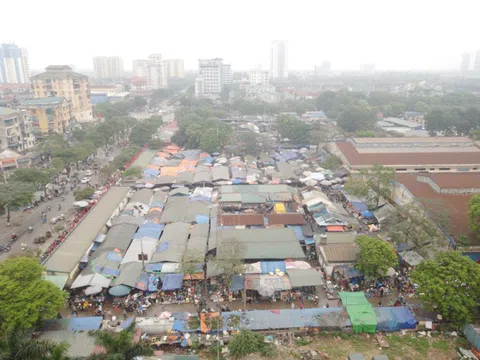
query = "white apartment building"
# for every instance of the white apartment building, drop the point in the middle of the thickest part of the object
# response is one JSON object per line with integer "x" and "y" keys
{"x": 140, "y": 68}
{"x": 199, "y": 87}
{"x": 108, "y": 67}
{"x": 211, "y": 71}
{"x": 15, "y": 129}
{"x": 174, "y": 68}
{"x": 259, "y": 77}
{"x": 14, "y": 65}
{"x": 227, "y": 76}
{"x": 279, "y": 60}
{"x": 157, "y": 75}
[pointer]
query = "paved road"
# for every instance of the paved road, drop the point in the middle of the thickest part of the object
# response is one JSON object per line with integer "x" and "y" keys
{"x": 22, "y": 220}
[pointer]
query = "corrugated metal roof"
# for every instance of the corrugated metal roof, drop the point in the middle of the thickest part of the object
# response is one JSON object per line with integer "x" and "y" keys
{"x": 142, "y": 196}
{"x": 220, "y": 173}
{"x": 69, "y": 253}
{"x": 308, "y": 277}
{"x": 172, "y": 244}
{"x": 286, "y": 219}
{"x": 175, "y": 209}
{"x": 340, "y": 253}
{"x": 396, "y": 140}
{"x": 244, "y": 219}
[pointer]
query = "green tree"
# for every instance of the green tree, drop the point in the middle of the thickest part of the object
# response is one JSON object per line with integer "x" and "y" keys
{"x": 333, "y": 162}
{"x": 18, "y": 344}
{"x": 450, "y": 284}
{"x": 247, "y": 342}
{"x": 37, "y": 177}
{"x": 133, "y": 171}
{"x": 250, "y": 143}
{"x": 139, "y": 101}
{"x": 375, "y": 257}
{"x": 155, "y": 144}
{"x": 140, "y": 134}
{"x": 293, "y": 129}
{"x": 366, "y": 134}
{"x": 210, "y": 141}
{"x": 355, "y": 117}
{"x": 26, "y": 298}
{"x": 229, "y": 261}
{"x": 120, "y": 346}
{"x": 411, "y": 224}
{"x": 420, "y": 106}
{"x": 318, "y": 136}
{"x": 376, "y": 182}
{"x": 15, "y": 194}
{"x": 435, "y": 121}
{"x": 57, "y": 164}
{"x": 82, "y": 194}
{"x": 190, "y": 262}
{"x": 474, "y": 214}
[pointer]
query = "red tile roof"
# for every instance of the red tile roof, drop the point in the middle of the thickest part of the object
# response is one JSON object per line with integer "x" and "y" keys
{"x": 244, "y": 219}
{"x": 455, "y": 180}
{"x": 453, "y": 158}
{"x": 456, "y": 205}
{"x": 286, "y": 219}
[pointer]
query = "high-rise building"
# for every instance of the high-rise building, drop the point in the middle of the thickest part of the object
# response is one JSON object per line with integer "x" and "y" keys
{"x": 108, "y": 67}
{"x": 227, "y": 76}
{"x": 476, "y": 65}
{"x": 199, "y": 87}
{"x": 279, "y": 60}
{"x": 259, "y": 77}
{"x": 465, "y": 65}
{"x": 60, "y": 80}
{"x": 14, "y": 66}
{"x": 156, "y": 73}
{"x": 211, "y": 71}
{"x": 140, "y": 68}
{"x": 50, "y": 114}
{"x": 174, "y": 68}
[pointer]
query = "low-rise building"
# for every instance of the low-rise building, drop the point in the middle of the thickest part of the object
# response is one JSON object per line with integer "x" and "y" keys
{"x": 409, "y": 155}
{"x": 15, "y": 129}
{"x": 109, "y": 89}
{"x": 51, "y": 114}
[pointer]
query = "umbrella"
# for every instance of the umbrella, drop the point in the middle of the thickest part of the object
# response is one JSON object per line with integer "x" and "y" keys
{"x": 270, "y": 167}
{"x": 81, "y": 204}
{"x": 215, "y": 154}
{"x": 311, "y": 182}
{"x": 325, "y": 183}
{"x": 149, "y": 185}
{"x": 139, "y": 185}
{"x": 338, "y": 180}
{"x": 120, "y": 290}
{"x": 165, "y": 188}
{"x": 305, "y": 166}
{"x": 319, "y": 169}
{"x": 92, "y": 290}
{"x": 307, "y": 173}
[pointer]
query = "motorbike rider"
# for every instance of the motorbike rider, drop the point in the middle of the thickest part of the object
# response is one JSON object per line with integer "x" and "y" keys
{"x": 59, "y": 207}
{"x": 14, "y": 237}
{"x": 63, "y": 198}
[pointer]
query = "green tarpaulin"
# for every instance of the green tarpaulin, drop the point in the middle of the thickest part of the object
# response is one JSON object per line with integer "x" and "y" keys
{"x": 361, "y": 312}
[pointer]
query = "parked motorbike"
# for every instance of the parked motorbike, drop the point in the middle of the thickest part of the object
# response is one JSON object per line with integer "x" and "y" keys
{"x": 4, "y": 248}
{"x": 14, "y": 237}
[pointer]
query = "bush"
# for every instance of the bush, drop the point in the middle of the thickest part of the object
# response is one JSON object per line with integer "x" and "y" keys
{"x": 247, "y": 342}
{"x": 82, "y": 194}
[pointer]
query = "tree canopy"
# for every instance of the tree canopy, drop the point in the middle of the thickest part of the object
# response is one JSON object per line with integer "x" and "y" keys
{"x": 37, "y": 177}
{"x": 120, "y": 346}
{"x": 374, "y": 183}
{"x": 450, "y": 284}
{"x": 474, "y": 214}
{"x": 250, "y": 143}
{"x": 356, "y": 117}
{"x": 25, "y": 297}
{"x": 375, "y": 257}
{"x": 295, "y": 130}
{"x": 15, "y": 194}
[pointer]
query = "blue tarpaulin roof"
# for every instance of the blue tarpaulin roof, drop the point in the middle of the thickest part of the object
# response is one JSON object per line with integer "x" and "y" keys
{"x": 367, "y": 214}
{"x": 172, "y": 281}
{"x": 126, "y": 323}
{"x": 359, "y": 206}
{"x": 114, "y": 256}
{"x": 85, "y": 323}
{"x": 147, "y": 282}
{"x": 394, "y": 318}
{"x": 149, "y": 230}
{"x": 348, "y": 271}
{"x": 154, "y": 267}
{"x": 272, "y": 266}
{"x": 298, "y": 231}
{"x": 309, "y": 241}
{"x": 238, "y": 282}
{"x": 202, "y": 219}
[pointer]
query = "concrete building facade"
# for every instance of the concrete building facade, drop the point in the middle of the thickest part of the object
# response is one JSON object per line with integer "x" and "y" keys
{"x": 227, "y": 76}
{"x": 174, "y": 68}
{"x": 211, "y": 71}
{"x": 279, "y": 60}
{"x": 15, "y": 129}
{"x": 49, "y": 115}
{"x": 14, "y": 65}
{"x": 259, "y": 77}
{"x": 157, "y": 76}
{"x": 108, "y": 67}
{"x": 60, "y": 80}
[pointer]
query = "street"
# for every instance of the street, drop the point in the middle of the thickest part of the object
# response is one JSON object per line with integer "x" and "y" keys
{"x": 22, "y": 220}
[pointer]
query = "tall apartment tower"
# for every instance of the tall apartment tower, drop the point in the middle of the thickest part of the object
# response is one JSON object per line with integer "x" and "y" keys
{"x": 211, "y": 71}
{"x": 174, "y": 68}
{"x": 476, "y": 65}
{"x": 279, "y": 60}
{"x": 108, "y": 67}
{"x": 14, "y": 66}
{"x": 157, "y": 76}
{"x": 465, "y": 65}
{"x": 61, "y": 81}
{"x": 259, "y": 77}
{"x": 140, "y": 68}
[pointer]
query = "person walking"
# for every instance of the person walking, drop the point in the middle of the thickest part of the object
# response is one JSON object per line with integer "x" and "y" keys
{"x": 293, "y": 306}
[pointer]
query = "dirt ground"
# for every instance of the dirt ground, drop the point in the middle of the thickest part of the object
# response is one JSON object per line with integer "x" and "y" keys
{"x": 408, "y": 346}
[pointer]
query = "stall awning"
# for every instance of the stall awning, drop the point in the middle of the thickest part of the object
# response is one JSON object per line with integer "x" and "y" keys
{"x": 238, "y": 282}
{"x": 172, "y": 281}
{"x": 359, "y": 206}
{"x": 309, "y": 277}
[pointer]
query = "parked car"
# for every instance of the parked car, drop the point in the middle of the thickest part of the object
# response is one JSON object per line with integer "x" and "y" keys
{"x": 86, "y": 180}
{"x": 89, "y": 173}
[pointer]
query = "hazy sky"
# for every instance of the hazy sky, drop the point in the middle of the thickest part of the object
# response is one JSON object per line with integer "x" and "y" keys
{"x": 407, "y": 34}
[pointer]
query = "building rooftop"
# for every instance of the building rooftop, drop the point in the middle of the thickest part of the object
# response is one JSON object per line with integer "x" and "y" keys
{"x": 455, "y": 180}
{"x": 455, "y": 205}
{"x": 4, "y": 111}
{"x": 420, "y": 159}
{"x": 53, "y": 100}
{"x": 340, "y": 253}
{"x": 402, "y": 122}
{"x": 417, "y": 140}
{"x": 59, "y": 72}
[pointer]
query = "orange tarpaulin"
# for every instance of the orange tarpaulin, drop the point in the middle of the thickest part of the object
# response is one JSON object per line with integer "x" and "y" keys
{"x": 162, "y": 154}
{"x": 169, "y": 171}
{"x": 335, "y": 228}
{"x": 199, "y": 276}
{"x": 154, "y": 167}
{"x": 203, "y": 326}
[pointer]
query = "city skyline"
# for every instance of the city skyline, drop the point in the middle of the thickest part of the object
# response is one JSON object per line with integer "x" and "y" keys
{"x": 349, "y": 34}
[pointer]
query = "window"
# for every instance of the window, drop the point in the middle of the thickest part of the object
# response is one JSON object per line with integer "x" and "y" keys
{"x": 401, "y": 169}
{"x": 444, "y": 169}
{"x": 420, "y": 169}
